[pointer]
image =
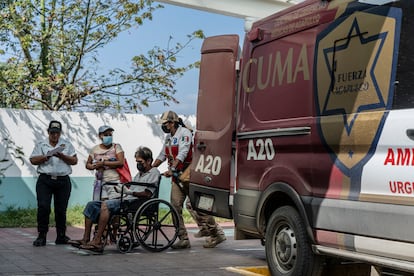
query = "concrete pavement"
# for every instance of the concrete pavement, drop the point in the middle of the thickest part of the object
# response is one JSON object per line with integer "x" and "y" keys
{"x": 19, "y": 257}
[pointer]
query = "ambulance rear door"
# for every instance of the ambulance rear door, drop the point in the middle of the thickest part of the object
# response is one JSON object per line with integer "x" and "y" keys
{"x": 211, "y": 168}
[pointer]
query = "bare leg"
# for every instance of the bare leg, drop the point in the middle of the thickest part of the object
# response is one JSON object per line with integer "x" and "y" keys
{"x": 88, "y": 229}
{"x": 86, "y": 234}
{"x": 103, "y": 221}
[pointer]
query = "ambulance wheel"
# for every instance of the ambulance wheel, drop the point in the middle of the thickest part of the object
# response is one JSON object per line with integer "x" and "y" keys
{"x": 288, "y": 250}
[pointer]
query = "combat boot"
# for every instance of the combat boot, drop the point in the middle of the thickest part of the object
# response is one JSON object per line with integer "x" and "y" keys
{"x": 202, "y": 233}
{"x": 181, "y": 244}
{"x": 212, "y": 242}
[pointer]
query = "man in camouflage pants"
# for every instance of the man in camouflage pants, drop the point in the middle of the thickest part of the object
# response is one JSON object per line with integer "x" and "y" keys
{"x": 208, "y": 227}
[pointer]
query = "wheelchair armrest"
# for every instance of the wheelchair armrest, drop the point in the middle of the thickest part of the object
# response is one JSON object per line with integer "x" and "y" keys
{"x": 106, "y": 184}
{"x": 110, "y": 184}
{"x": 151, "y": 185}
{"x": 116, "y": 184}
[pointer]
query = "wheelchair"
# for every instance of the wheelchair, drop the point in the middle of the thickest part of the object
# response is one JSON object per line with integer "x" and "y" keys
{"x": 151, "y": 223}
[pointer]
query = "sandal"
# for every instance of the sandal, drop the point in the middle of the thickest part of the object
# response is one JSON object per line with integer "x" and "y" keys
{"x": 92, "y": 247}
{"x": 77, "y": 243}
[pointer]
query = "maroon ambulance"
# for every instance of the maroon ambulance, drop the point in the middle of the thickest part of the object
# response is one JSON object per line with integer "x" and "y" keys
{"x": 306, "y": 136}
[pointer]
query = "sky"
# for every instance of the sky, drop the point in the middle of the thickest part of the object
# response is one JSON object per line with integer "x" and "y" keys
{"x": 177, "y": 22}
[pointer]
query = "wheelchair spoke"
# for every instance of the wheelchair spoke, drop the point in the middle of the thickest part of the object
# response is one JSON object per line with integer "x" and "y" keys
{"x": 165, "y": 217}
{"x": 164, "y": 234}
{"x": 156, "y": 225}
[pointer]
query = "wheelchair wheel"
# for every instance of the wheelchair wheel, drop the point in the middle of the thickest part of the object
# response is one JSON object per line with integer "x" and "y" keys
{"x": 124, "y": 243}
{"x": 156, "y": 225}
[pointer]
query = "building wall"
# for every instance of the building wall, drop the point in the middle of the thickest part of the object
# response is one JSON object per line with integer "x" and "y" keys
{"x": 25, "y": 127}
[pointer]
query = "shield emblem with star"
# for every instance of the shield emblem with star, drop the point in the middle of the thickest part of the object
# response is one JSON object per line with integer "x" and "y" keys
{"x": 354, "y": 82}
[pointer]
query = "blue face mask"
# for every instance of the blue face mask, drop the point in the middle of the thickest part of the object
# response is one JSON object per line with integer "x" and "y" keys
{"x": 107, "y": 140}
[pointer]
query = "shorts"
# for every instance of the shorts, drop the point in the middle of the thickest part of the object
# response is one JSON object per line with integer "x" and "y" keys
{"x": 93, "y": 208}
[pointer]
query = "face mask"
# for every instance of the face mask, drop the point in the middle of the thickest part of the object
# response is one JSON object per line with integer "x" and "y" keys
{"x": 107, "y": 140}
{"x": 165, "y": 129}
{"x": 141, "y": 167}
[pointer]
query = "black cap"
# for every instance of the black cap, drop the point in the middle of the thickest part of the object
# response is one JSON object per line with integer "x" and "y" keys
{"x": 55, "y": 126}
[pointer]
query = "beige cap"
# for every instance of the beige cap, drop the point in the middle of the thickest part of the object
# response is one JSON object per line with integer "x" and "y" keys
{"x": 168, "y": 116}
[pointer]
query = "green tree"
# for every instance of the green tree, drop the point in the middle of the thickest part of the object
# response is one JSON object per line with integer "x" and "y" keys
{"x": 50, "y": 62}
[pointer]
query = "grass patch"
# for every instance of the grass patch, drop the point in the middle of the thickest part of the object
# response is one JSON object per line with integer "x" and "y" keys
{"x": 19, "y": 217}
{"x": 13, "y": 217}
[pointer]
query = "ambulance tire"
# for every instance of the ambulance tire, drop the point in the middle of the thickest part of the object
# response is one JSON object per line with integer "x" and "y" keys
{"x": 288, "y": 250}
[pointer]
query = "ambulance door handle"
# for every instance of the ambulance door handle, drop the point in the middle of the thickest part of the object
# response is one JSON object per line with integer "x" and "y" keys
{"x": 201, "y": 146}
{"x": 410, "y": 133}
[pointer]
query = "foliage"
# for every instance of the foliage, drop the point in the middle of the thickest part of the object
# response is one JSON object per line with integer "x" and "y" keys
{"x": 50, "y": 51}
{"x": 13, "y": 217}
{"x": 26, "y": 217}
{"x": 74, "y": 216}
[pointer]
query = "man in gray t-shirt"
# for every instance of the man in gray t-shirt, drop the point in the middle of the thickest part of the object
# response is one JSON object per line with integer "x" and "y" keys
{"x": 100, "y": 211}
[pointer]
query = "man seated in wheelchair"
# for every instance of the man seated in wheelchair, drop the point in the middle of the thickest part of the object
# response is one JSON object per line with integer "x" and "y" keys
{"x": 101, "y": 211}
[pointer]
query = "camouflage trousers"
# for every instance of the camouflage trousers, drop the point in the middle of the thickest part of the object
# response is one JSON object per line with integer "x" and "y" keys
{"x": 204, "y": 221}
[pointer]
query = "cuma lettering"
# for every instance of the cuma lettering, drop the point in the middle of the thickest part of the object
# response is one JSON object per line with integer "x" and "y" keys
{"x": 278, "y": 70}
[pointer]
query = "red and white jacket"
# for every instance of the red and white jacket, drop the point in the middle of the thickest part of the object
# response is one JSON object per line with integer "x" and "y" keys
{"x": 179, "y": 147}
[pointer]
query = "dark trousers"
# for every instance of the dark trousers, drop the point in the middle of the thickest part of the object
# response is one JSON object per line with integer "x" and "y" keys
{"x": 60, "y": 188}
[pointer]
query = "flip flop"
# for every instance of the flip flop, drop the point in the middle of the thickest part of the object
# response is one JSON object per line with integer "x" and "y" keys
{"x": 77, "y": 243}
{"x": 92, "y": 247}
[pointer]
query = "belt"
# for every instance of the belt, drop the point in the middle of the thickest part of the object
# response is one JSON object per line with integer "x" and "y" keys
{"x": 54, "y": 177}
